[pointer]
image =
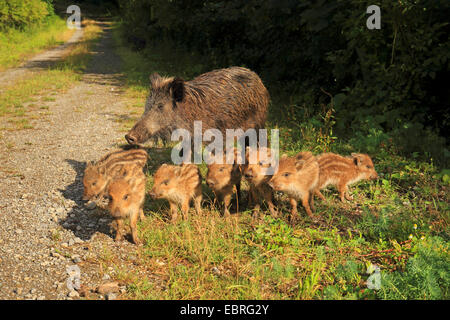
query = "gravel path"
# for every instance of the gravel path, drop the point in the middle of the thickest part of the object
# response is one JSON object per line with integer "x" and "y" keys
{"x": 42, "y": 60}
{"x": 46, "y": 232}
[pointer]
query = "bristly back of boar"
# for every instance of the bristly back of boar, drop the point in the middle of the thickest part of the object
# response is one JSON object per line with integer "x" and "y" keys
{"x": 223, "y": 99}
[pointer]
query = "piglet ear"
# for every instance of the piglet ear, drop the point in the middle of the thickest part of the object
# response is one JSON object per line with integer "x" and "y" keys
{"x": 299, "y": 164}
{"x": 357, "y": 159}
{"x": 176, "y": 88}
{"x": 304, "y": 155}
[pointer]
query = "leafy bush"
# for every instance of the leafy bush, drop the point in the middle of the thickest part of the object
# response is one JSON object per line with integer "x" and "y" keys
{"x": 23, "y": 13}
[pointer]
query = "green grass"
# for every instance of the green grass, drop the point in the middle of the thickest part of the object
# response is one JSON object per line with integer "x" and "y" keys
{"x": 19, "y": 100}
{"x": 18, "y": 45}
{"x": 399, "y": 222}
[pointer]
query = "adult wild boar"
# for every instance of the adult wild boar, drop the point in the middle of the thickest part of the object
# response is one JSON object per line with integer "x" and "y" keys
{"x": 222, "y": 99}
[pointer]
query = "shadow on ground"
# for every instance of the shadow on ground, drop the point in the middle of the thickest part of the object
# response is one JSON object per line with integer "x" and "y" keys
{"x": 84, "y": 223}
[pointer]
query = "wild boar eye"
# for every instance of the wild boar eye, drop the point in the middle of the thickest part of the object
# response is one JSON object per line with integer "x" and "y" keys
{"x": 166, "y": 182}
{"x": 160, "y": 106}
{"x": 261, "y": 163}
{"x": 94, "y": 183}
{"x": 369, "y": 167}
{"x": 125, "y": 197}
{"x": 286, "y": 174}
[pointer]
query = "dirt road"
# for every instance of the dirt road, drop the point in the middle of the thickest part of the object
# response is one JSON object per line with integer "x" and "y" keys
{"x": 46, "y": 233}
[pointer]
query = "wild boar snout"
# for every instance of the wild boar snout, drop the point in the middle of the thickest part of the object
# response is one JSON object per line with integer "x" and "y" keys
{"x": 131, "y": 139}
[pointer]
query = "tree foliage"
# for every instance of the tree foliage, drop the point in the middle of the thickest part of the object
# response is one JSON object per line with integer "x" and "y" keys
{"x": 23, "y": 13}
{"x": 392, "y": 80}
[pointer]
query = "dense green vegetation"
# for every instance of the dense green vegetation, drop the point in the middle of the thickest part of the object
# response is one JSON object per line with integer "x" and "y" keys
{"x": 387, "y": 86}
{"x": 27, "y": 27}
{"x": 24, "y": 13}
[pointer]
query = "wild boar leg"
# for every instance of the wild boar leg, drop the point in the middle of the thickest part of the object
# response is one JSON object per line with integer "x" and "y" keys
{"x": 185, "y": 209}
{"x": 311, "y": 201}
{"x": 319, "y": 194}
{"x": 348, "y": 196}
{"x": 294, "y": 212}
{"x": 119, "y": 225}
{"x": 305, "y": 204}
{"x": 227, "y": 202}
{"x": 141, "y": 214}
{"x": 198, "y": 204}
{"x": 251, "y": 201}
{"x": 238, "y": 193}
{"x": 255, "y": 202}
{"x": 343, "y": 192}
{"x": 133, "y": 225}
{"x": 269, "y": 199}
{"x": 174, "y": 211}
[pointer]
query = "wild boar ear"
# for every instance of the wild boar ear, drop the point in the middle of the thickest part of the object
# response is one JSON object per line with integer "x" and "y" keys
{"x": 304, "y": 155}
{"x": 299, "y": 164}
{"x": 154, "y": 78}
{"x": 356, "y": 159}
{"x": 102, "y": 170}
{"x": 176, "y": 88}
{"x": 284, "y": 156}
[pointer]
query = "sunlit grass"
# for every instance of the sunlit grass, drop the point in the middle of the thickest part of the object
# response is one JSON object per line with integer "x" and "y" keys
{"x": 36, "y": 89}
{"x": 17, "y": 46}
{"x": 37, "y": 84}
